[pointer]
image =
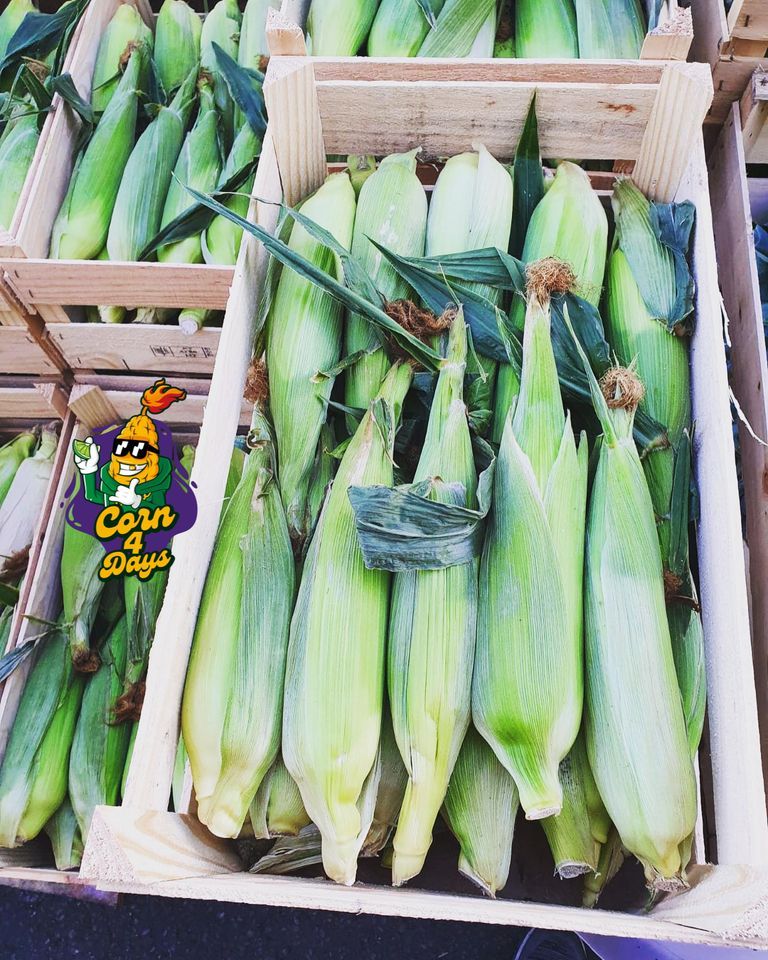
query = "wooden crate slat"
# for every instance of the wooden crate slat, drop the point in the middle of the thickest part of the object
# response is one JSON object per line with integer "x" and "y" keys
{"x": 21, "y": 353}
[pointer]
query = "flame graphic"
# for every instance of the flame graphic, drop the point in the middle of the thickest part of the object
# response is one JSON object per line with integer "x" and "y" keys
{"x": 160, "y": 396}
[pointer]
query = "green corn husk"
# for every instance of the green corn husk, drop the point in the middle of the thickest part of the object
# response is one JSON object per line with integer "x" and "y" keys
{"x": 432, "y": 628}
{"x": 471, "y": 208}
{"x": 129, "y": 756}
{"x": 177, "y": 43}
{"x": 392, "y": 209}
{"x": 484, "y": 42}
{"x": 505, "y": 49}
{"x": 389, "y": 797}
{"x": 237, "y": 664}
{"x": 179, "y": 776}
{"x": 124, "y": 29}
{"x": 612, "y": 856}
{"x": 335, "y": 682}
{"x": 66, "y": 840}
{"x": 338, "y": 28}
{"x": 253, "y": 35}
{"x": 100, "y": 746}
{"x": 399, "y": 28}
{"x": 481, "y": 808}
{"x": 154, "y": 315}
{"x": 81, "y": 589}
{"x": 222, "y": 27}
{"x": 643, "y": 770}
{"x": 81, "y": 227}
{"x": 198, "y": 166}
{"x": 10, "y": 21}
{"x": 290, "y": 854}
{"x": 457, "y": 28}
{"x": 192, "y": 319}
{"x": 610, "y": 29}
{"x": 277, "y": 809}
{"x": 323, "y": 472}
{"x": 143, "y": 600}
{"x": 23, "y": 504}
{"x": 6, "y": 621}
{"x": 12, "y": 455}
{"x": 221, "y": 241}
{"x": 527, "y": 706}
{"x": 546, "y": 29}
{"x": 16, "y": 153}
{"x": 33, "y": 775}
{"x": 360, "y": 167}
{"x": 576, "y": 836}
{"x": 304, "y": 336}
{"x": 144, "y": 185}
{"x": 569, "y": 223}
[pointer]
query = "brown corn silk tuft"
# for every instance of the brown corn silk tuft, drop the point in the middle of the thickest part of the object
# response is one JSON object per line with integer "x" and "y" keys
{"x": 257, "y": 384}
{"x": 128, "y": 705}
{"x": 622, "y": 388}
{"x": 547, "y": 277}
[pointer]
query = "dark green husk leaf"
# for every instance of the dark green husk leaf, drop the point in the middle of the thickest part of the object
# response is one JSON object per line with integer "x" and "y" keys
{"x": 243, "y": 90}
{"x": 672, "y": 223}
{"x": 527, "y": 181}
{"x": 39, "y": 33}
{"x": 679, "y": 507}
{"x": 8, "y": 595}
{"x": 64, "y": 85}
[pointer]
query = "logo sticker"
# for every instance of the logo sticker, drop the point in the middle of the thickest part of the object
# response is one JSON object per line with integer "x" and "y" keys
{"x": 130, "y": 491}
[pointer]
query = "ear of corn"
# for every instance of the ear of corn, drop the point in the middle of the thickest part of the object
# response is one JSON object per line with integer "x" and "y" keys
{"x": 569, "y": 223}
{"x": 457, "y": 27}
{"x": 545, "y": 29}
{"x": 304, "y": 337}
{"x": 610, "y": 29}
{"x": 221, "y": 241}
{"x": 81, "y": 589}
{"x": 100, "y": 745}
{"x": 144, "y": 185}
{"x": 389, "y": 798}
{"x": 322, "y": 473}
{"x": 10, "y": 21}
{"x": 80, "y": 229}
{"x": 222, "y": 27}
{"x": 432, "y": 629}
{"x": 529, "y": 708}
{"x": 277, "y": 809}
{"x": 253, "y": 35}
{"x": 335, "y": 671}
{"x": 16, "y": 153}
{"x": 23, "y": 504}
{"x": 338, "y": 28}
{"x": 238, "y": 656}
{"x": 64, "y": 833}
{"x": 399, "y": 28}
{"x": 177, "y": 43}
{"x": 481, "y": 808}
{"x": 125, "y": 28}
{"x": 33, "y": 775}
{"x": 391, "y": 208}
{"x": 643, "y": 771}
{"x": 12, "y": 455}
{"x": 198, "y": 166}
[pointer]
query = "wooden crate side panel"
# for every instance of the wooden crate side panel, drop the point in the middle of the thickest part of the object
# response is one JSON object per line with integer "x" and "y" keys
{"x": 21, "y": 353}
{"x": 739, "y": 794}
{"x": 748, "y": 20}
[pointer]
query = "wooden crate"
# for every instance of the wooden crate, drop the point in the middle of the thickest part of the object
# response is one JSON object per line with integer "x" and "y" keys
{"x": 749, "y": 374}
{"x": 671, "y": 41}
{"x": 143, "y": 848}
{"x": 44, "y": 287}
{"x": 94, "y": 401}
{"x": 753, "y": 112}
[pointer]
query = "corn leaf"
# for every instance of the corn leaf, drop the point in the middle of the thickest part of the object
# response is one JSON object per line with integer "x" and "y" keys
{"x": 527, "y": 180}
{"x": 672, "y": 223}
{"x": 679, "y": 508}
{"x": 65, "y": 87}
{"x": 41, "y": 95}
{"x": 39, "y": 33}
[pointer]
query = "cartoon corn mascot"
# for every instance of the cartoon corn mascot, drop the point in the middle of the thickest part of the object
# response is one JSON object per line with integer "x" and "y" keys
{"x": 136, "y": 475}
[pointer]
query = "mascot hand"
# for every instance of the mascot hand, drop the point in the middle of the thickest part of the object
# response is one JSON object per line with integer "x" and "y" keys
{"x": 88, "y": 463}
{"x": 127, "y": 496}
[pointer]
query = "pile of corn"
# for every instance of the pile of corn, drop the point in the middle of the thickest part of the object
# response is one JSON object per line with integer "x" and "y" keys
{"x": 557, "y": 666}
{"x": 586, "y": 29}
{"x": 70, "y": 745}
{"x": 165, "y": 120}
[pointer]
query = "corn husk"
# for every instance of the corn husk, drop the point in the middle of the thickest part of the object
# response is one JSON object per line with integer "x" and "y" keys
{"x": 569, "y": 223}
{"x": 481, "y": 808}
{"x": 12, "y": 455}
{"x": 23, "y": 504}
{"x": 290, "y": 854}
{"x": 221, "y": 241}
{"x": 335, "y": 671}
{"x": 33, "y": 775}
{"x": 222, "y": 27}
{"x": 16, "y": 153}
{"x": 10, "y": 20}
{"x": 610, "y": 29}
{"x": 64, "y": 833}
{"x": 432, "y": 629}
{"x": 144, "y": 185}
{"x": 527, "y": 706}
{"x": 126, "y": 27}
{"x": 81, "y": 227}
{"x": 389, "y": 798}
{"x": 253, "y": 35}
{"x": 199, "y": 167}
{"x": 234, "y": 690}
{"x": 392, "y": 209}
{"x": 338, "y": 28}
{"x": 177, "y": 43}
{"x": 81, "y": 589}
{"x": 457, "y": 28}
{"x": 100, "y": 746}
{"x": 545, "y": 29}
{"x": 277, "y": 809}
{"x": 304, "y": 337}
{"x": 399, "y": 28}
{"x": 642, "y": 767}
{"x": 612, "y": 856}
